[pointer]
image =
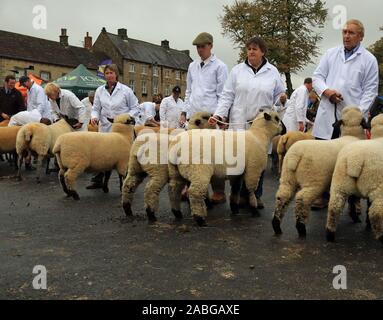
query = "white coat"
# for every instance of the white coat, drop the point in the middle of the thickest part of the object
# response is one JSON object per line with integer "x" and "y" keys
{"x": 147, "y": 112}
{"x": 245, "y": 93}
{"x": 106, "y": 105}
{"x": 38, "y": 100}
{"x": 357, "y": 79}
{"x": 204, "y": 86}
{"x": 88, "y": 108}
{"x": 71, "y": 107}
{"x": 170, "y": 112}
{"x": 280, "y": 108}
{"x": 297, "y": 109}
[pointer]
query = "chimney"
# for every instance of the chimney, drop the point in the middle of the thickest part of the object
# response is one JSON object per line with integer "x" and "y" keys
{"x": 165, "y": 44}
{"x": 88, "y": 41}
{"x": 123, "y": 33}
{"x": 64, "y": 38}
{"x": 103, "y": 29}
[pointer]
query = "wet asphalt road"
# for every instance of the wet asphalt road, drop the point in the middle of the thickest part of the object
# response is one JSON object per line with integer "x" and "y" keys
{"x": 91, "y": 251}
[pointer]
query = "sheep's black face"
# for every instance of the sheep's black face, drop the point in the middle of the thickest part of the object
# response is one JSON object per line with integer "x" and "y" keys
{"x": 72, "y": 122}
{"x": 131, "y": 121}
{"x": 283, "y": 129}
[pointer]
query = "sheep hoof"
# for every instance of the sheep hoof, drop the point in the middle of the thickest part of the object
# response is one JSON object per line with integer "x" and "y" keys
{"x": 201, "y": 222}
{"x": 254, "y": 212}
{"x": 301, "y": 229}
{"x": 128, "y": 209}
{"x": 277, "y": 226}
{"x": 234, "y": 208}
{"x": 177, "y": 214}
{"x": 330, "y": 236}
{"x": 105, "y": 189}
{"x": 75, "y": 195}
{"x": 151, "y": 216}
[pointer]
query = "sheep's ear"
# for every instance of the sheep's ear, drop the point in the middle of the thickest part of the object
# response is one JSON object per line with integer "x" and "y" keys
{"x": 198, "y": 122}
{"x": 267, "y": 116}
{"x": 337, "y": 124}
{"x": 365, "y": 124}
{"x": 284, "y": 129}
{"x": 110, "y": 120}
{"x": 131, "y": 121}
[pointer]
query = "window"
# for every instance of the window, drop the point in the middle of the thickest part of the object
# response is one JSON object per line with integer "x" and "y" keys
{"x": 155, "y": 71}
{"x": 131, "y": 85}
{"x": 132, "y": 68}
{"x": 167, "y": 90}
{"x": 144, "y": 69}
{"x": 155, "y": 86}
{"x": 167, "y": 74}
{"x": 178, "y": 75}
{"x": 143, "y": 87}
{"x": 45, "y": 75}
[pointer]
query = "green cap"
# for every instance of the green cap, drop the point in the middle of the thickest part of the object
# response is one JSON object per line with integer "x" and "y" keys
{"x": 203, "y": 38}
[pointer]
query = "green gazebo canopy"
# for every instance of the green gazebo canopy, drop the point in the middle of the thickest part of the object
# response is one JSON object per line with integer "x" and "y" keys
{"x": 80, "y": 81}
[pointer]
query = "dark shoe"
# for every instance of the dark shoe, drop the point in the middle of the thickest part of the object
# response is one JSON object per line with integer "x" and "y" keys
{"x": 95, "y": 185}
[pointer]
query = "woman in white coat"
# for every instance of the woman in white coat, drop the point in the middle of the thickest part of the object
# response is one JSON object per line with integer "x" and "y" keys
{"x": 295, "y": 116}
{"x": 111, "y": 100}
{"x": 64, "y": 103}
{"x": 252, "y": 85}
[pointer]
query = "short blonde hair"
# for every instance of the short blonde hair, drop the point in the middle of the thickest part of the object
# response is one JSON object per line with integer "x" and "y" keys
{"x": 51, "y": 88}
{"x": 358, "y": 23}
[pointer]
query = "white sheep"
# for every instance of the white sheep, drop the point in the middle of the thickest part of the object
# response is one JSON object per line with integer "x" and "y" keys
{"x": 8, "y": 139}
{"x": 250, "y": 148}
{"x": 358, "y": 171}
{"x": 308, "y": 167}
{"x": 94, "y": 151}
{"x": 39, "y": 138}
{"x": 156, "y": 170}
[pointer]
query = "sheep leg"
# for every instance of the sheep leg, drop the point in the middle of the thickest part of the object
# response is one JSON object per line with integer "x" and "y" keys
{"x": 354, "y": 209}
{"x": 335, "y": 208}
{"x": 368, "y": 222}
{"x": 129, "y": 187}
{"x": 47, "y": 170}
{"x": 40, "y": 167}
{"x": 70, "y": 181}
{"x": 175, "y": 194}
{"x": 303, "y": 202}
{"x": 152, "y": 191}
{"x": 19, "y": 168}
{"x": 121, "y": 180}
{"x": 251, "y": 185}
{"x": 376, "y": 218}
{"x": 106, "y": 181}
{"x": 283, "y": 198}
{"x": 62, "y": 181}
{"x": 235, "y": 184}
{"x": 197, "y": 193}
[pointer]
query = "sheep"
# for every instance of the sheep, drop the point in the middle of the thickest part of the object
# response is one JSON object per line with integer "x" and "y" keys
{"x": 40, "y": 138}
{"x": 286, "y": 141}
{"x": 158, "y": 172}
{"x": 300, "y": 162}
{"x": 94, "y": 151}
{"x": 358, "y": 172}
{"x": 274, "y": 153}
{"x": 250, "y": 147}
{"x": 8, "y": 140}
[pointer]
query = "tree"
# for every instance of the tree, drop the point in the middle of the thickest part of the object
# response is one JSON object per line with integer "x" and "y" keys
{"x": 289, "y": 27}
{"x": 377, "y": 50}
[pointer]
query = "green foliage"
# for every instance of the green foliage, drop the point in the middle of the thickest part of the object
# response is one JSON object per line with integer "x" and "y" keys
{"x": 377, "y": 50}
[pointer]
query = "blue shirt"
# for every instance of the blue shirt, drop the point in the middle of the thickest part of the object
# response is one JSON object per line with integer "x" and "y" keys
{"x": 349, "y": 53}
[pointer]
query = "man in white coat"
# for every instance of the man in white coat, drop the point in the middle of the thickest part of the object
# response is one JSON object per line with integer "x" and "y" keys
{"x": 38, "y": 106}
{"x": 88, "y": 103}
{"x": 171, "y": 110}
{"x": 346, "y": 75}
{"x": 64, "y": 103}
{"x": 205, "y": 81}
{"x": 295, "y": 115}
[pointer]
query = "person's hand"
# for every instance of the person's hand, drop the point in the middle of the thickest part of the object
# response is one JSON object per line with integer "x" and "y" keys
{"x": 333, "y": 95}
{"x": 182, "y": 119}
{"x": 5, "y": 116}
{"x": 94, "y": 122}
{"x": 301, "y": 126}
{"x": 214, "y": 119}
{"x": 78, "y": 125}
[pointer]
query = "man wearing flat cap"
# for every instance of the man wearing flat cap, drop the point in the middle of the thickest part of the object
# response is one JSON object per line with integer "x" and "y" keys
{"x": 205, "y": 81}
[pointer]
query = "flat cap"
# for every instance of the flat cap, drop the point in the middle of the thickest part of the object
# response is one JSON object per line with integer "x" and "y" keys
{"x": 203, "y": 38}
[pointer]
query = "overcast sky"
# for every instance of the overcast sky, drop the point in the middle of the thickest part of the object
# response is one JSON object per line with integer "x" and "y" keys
{"x": 178, "y": 21}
